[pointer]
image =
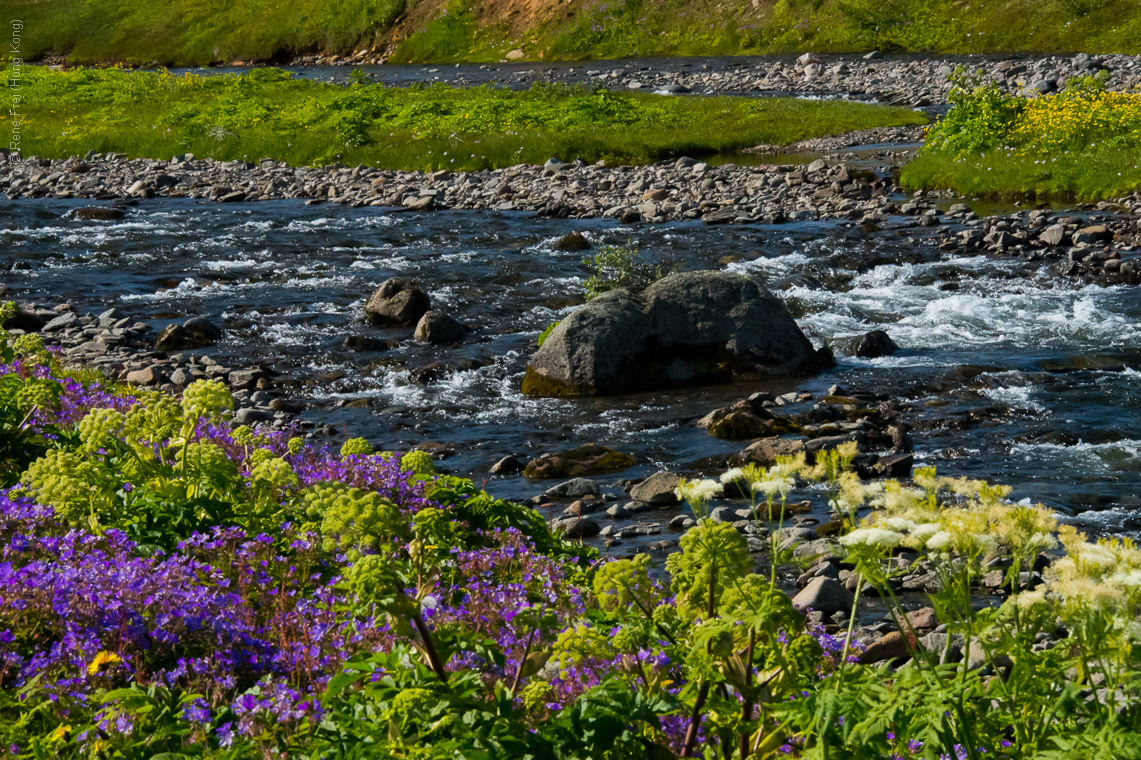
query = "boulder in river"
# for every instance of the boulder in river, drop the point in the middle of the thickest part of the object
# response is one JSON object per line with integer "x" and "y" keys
{"x": 875, "y": 344}
{"x": 195, "y": 332}
{"x": 397, "y": 302}
{"x": 587, "y": 459}
{"x": 436, "y": 327}
{"x": 687, "y": 329}
{"x": 101, "y": 213}
{"x": 572, "y": 241}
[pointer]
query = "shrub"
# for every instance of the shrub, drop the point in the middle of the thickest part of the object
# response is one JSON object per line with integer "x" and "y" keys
{"x": 623, "y": 266}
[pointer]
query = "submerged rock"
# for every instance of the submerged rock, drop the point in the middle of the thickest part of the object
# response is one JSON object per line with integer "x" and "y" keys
{"x": 692, "y": 328}
{"x": 585, "y": 460}
{"x": 572, "y": 241}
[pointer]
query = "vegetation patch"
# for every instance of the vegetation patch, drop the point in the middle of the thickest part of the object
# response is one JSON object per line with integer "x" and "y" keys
{"x": 1082, "y": 142}
{"x": 188, "y": 32}
{"x": 268, "y": 114}
{"x": 176, "y": 586}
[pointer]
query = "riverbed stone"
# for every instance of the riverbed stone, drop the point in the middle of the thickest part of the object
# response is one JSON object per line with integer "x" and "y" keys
{"x": 100, "y": 213}
{"x": 687, "y": 329}
{"x": 825, "y": 595}
{"x": 507, "y": 465}
{"x": 765, "y": 451}
{"x": 891, "y": 646}
{"x": 658, "y": 489}
{"x": 875, "y": 344}
{"x": 26, "y": 321}
{"x": 397, "y": 302}
{"x": 435, "y": 327}
{"x": 573, "y": 488}
{"x": 587, "y": 459}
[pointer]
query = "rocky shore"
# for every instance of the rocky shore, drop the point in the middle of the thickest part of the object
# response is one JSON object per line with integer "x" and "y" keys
{"x": 906, "y": 81}
{"x": 681, "y": 189}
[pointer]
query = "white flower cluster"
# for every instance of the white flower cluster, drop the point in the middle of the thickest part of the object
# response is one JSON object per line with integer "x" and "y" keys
{"x": 698, "y": 491}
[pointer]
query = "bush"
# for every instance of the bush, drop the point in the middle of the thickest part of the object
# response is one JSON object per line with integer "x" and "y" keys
{"x": 623, "y": 266}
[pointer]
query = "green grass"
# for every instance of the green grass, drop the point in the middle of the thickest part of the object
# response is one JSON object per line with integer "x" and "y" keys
{"x": 1081, "y": 175}
{"x": 1082, "y": 143}
{"x": 195, "y": 32}
{"x": 267, "y": 114}
{"x": 198, "y": 32}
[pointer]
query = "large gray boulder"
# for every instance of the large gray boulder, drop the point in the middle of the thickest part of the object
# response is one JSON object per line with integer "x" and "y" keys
{"x": 692, "y": 328}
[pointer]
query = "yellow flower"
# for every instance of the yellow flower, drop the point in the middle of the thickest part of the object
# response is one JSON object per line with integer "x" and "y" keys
{"x": 101, "y": 659}
{"x": 61, "y": 733}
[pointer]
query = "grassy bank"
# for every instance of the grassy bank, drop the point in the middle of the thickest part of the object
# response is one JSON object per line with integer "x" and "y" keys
{"x": 1080, "y": 143}
{"x": 267, "y": 114}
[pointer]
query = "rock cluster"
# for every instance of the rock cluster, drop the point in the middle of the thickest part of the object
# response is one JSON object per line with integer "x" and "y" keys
{"x": 900, "y": 80}
{"x": 122, "y": 348}
{"x": 684, "y": 189}
{"x": 1099, "y": 246}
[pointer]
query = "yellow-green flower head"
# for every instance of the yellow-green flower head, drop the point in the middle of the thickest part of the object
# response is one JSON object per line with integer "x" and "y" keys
{"x": 64, "y": 481}
{"x": 38, "y": 394}
{"x": 274, "y": 473}
{"x": 708, "y": 550}
{"x": 419, "y": 462}
{"x": 30, "y": 347}
{"x": 577, "y": 645}
{"x": 296, "y": 445}
{"x": 349, "y": 515}
{"x": 257, "y": 456}
{"x": 7, "y": 311}
{"x": 205, "y": 458}
{"x": 100, "y": 428}
{"x": 619, "y": 583}
{"x": 243, "y": 435}
{"x": 536, "y": 694}
{"x": 157, "y": 419}
{"x": 206, "y": 398}
{"x": 356, "y": 447}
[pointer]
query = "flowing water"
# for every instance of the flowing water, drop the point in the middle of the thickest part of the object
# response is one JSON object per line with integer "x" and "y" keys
{"x": 1011, "y": 372}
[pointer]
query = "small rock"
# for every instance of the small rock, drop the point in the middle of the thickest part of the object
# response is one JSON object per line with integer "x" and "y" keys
{"x": 875, "y": 344}
{"x": 923, "y": 618}
{"x": 585, "y": 460}
{"x": 438, "y": 328}
{"x": 892, "y": 646}
{"x": 572, "y": 241}
{"x": 397, "y": 302}
{"x": 506, "y": 466}
{"x": 658, "y": 489}
{"x": 67, "y": 319}
{"x": 824, "y": 595}
{"x": 101, "y": 213}
{"x": 365, "y": 343}
{"x": 577, "y": 527}
{"x": 573, "y": 488}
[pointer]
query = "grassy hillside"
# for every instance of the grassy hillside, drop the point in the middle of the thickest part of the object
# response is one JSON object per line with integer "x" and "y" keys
{"x": 184, "y": 32}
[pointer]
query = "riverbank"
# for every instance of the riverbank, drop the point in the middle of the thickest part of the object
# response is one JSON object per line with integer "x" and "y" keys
{"x": 189, "y": 34}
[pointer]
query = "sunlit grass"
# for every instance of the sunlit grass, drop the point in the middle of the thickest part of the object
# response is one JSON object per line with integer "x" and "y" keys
{"x": 266, "y": 114}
